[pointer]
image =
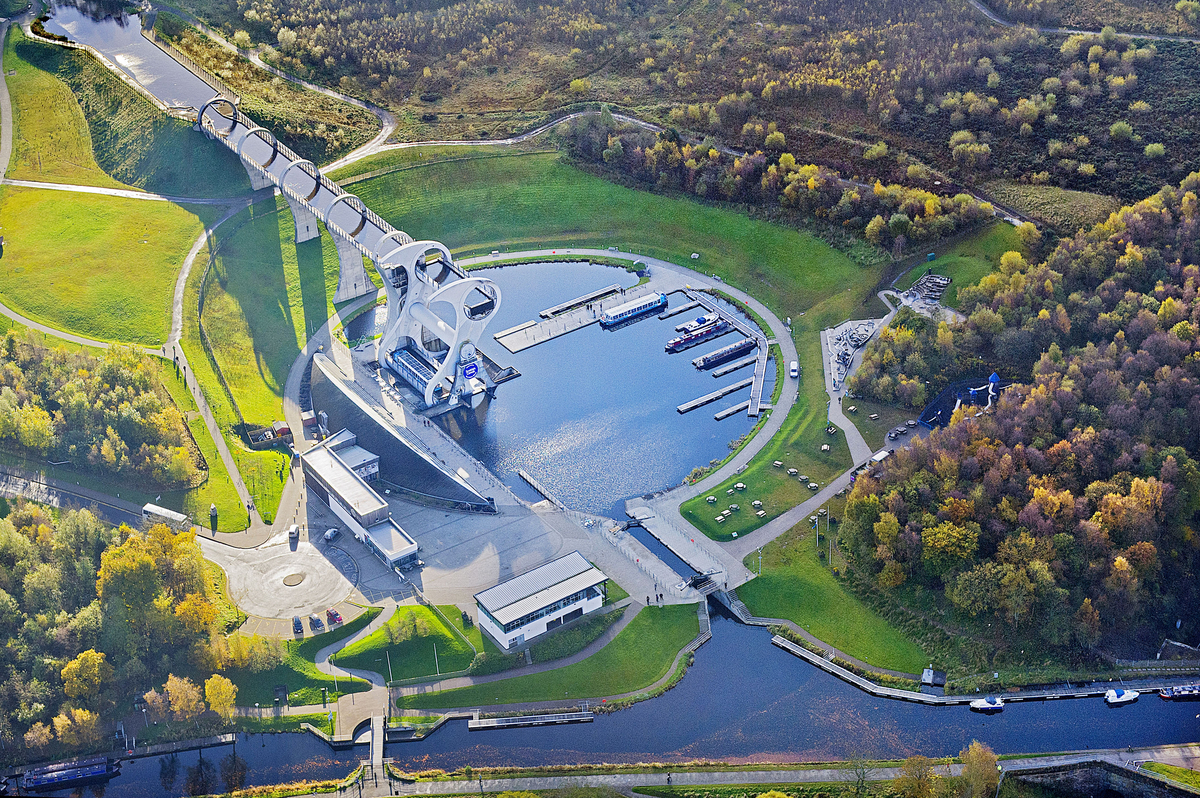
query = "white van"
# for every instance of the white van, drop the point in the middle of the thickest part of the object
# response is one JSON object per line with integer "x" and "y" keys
{"x": 794, "y": 370}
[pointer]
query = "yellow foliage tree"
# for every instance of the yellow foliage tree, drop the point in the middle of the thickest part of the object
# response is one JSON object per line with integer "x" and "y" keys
{"x": 82, "y": 676}
{"x": 221, "y": 695}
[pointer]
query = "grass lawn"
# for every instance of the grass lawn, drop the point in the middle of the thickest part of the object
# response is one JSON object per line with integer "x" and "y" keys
{"x": 414, "y": 656}
{"x": 266, "y": 296}
{"x": 875, "y": 432}
{"x": 1175, "y": 773}
{"x": 968, "y": 260}
{"x": 103, "y": 267}
{"x": 299, "y": 671}
{"x": 615, "y": 592}
{"x": 229, "y": 617}
{"x": 571, "y": 641}
{"x": 636, "y": 658}
{"x": 797, "y": 586}
{"x": 51, "y": 140}
{"x": 1063, "y": 209}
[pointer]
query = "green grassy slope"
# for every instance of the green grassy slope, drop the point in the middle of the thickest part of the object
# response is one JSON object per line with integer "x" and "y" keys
{"x": 76, "y": 122}
{"x": 640, "y": 655}
{"x": 414, "y": 656}
{"x": 799, "y": 587}
{"x": 98, "y": 266}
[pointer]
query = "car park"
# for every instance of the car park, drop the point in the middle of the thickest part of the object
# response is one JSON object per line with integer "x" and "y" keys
{"x": 333, "y": 615}
{"x": 297, "y": 625}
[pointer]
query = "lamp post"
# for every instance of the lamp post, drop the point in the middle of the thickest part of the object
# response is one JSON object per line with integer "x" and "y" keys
{"x": 389, "y": 659}
{"x": 145, "y": 718}
{"x": 760, "y": 560}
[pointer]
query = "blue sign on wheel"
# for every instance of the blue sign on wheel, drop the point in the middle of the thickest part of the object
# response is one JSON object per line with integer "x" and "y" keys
{"x": 470, "y": 370}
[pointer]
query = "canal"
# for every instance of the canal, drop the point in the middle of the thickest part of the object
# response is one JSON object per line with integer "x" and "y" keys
{"x": 744, "y": 700}
{"x": 117, "y": 35}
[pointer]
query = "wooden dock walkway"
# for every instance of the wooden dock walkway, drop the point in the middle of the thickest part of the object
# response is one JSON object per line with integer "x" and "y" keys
{"x": 721, "y": 415}
{"x": 530, "y": 334}
{"x": 760, "y": 379}
{"x": 533, "y": 483}
{"x": 520, "y": 721}
{"x": 684, "y": 308}
{"x": 687, "y": 407}
{"x": 729, "y": 368}
{"x": 571, "y": 304}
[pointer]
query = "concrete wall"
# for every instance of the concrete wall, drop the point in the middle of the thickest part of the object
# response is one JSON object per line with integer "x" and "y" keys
{"x": 1095, "y": 779}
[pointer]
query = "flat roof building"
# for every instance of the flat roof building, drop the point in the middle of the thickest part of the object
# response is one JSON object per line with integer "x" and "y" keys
{"x": 538, "y": 601}
{"x": 334, "y": 470}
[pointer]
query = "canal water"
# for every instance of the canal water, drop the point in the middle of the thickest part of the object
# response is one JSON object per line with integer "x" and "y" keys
{"x": 592, "y": 416}
{"x": 744, "y": 700}
{"x": 117, "y": 35}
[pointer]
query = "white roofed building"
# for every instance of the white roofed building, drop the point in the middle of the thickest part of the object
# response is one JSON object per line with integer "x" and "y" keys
{"x": 538, "y": 601}
{"x": 336, "y": 470}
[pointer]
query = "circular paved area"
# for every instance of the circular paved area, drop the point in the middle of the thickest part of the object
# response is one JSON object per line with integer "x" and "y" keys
{"x": 276, "y": 582}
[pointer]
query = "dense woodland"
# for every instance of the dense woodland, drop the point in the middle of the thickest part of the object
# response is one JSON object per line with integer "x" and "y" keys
{"x": 934, "y": 78}
{"x": 90, "y": 617}
{"x": 107, "y": 414}
{"x": 887, "y": 215}
{"x": 1069, "y": 512}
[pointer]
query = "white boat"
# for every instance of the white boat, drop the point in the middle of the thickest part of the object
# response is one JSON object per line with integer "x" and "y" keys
{"x": 992, "y": 703}
{"x": 1117, "y": 697}
{"x": 696, "y": 323}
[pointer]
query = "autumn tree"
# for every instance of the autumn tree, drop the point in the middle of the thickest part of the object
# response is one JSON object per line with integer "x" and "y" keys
{"x": 916, "y": 778}
{"x": 186, "y": 702}
{"x": 979, "y": 772}
{"x": 221, "y": 695}
{"x": 39, "y": 737}
{"x": 83, "y": 675}
{"x": 157, "y": 705}
{"x": 77, "y": 727}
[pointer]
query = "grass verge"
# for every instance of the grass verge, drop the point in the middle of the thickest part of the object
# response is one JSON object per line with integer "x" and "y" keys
{"x": 639, "y": 656}
{"x": 218, "y": 489}
{"x": 1182, "y": 775}
{"x": 229, "y": 617}
{"x": 798, "y": 586}
{"x": 299, "y": 671}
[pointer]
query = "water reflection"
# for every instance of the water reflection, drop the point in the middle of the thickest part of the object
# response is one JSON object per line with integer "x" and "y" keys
{"x": 593, "y": 415}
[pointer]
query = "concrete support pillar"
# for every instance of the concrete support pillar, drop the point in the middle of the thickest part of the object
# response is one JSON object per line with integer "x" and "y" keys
{"x": 258, "y": 178}
{"x": 352, "y": 275}
{"x": 306, "y": 221}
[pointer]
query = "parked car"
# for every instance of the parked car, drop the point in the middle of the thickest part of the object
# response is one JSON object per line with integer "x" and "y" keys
{"x": 293, "y": 532}
{"x": 332, "y": 533}
{"x": 794, "y": 370}
{"x": 333, "y": 615}
{"x": 297, "y": 625}
{"x": 315, "y": 622}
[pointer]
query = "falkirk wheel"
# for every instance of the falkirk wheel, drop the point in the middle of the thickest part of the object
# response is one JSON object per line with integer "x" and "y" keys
{"x": 430, "y": 341}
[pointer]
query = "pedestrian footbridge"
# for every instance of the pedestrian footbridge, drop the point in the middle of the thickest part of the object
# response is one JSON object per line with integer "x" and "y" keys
{"x": 431, "y": 341}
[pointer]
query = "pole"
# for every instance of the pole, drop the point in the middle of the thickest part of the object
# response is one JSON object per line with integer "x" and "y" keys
{"x": 437, "y": 667}
{"x": 389, "y": 659}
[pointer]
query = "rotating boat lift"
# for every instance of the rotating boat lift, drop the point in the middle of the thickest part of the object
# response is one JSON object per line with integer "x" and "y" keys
{"x": 436, "y": 312}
